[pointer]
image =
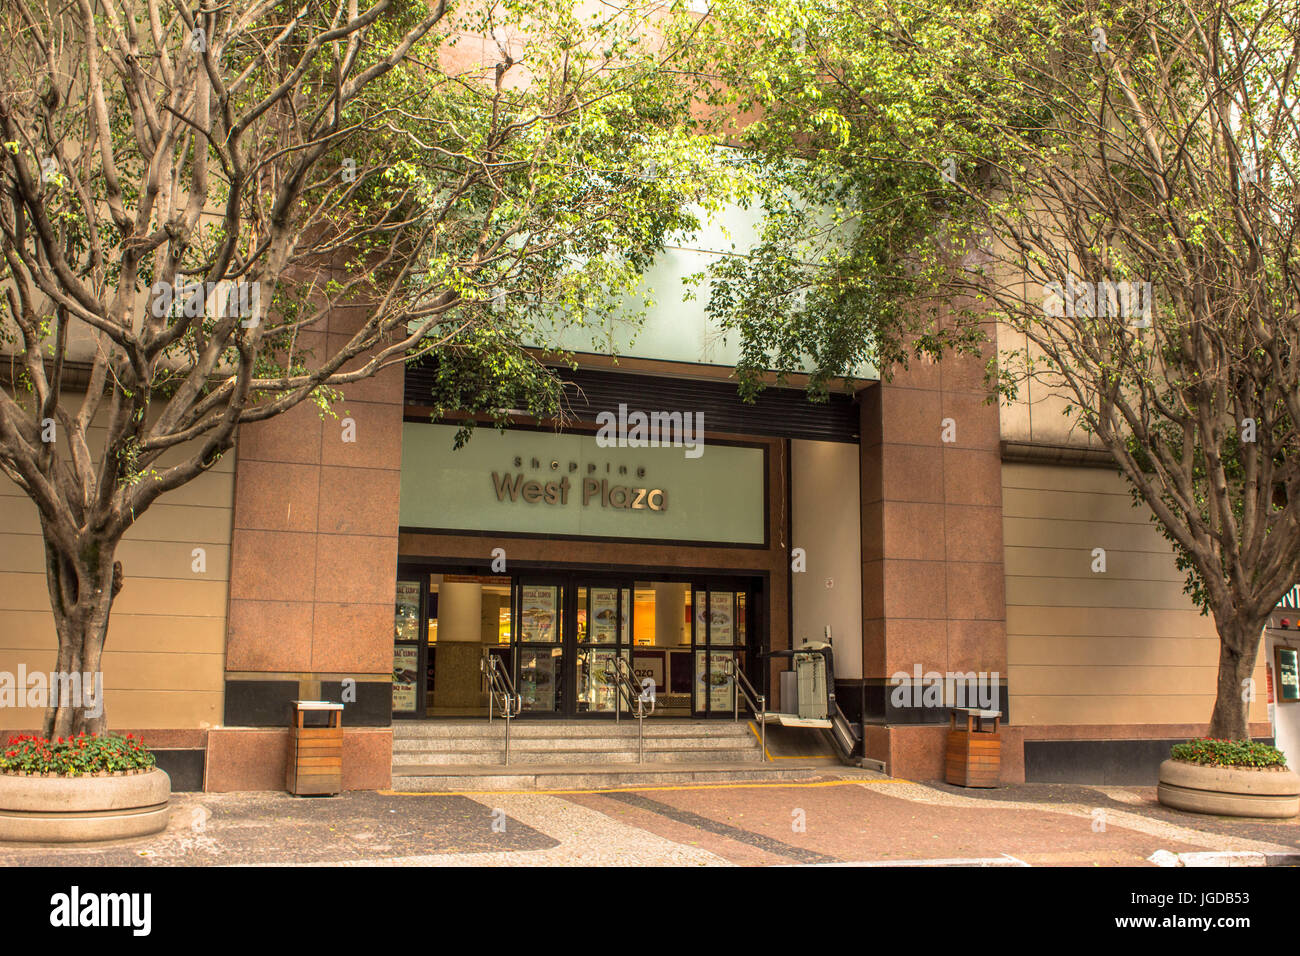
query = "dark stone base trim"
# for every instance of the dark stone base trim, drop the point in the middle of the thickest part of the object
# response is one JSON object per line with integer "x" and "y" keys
{"x": 870, "y": 701}
{"x": 372, "y": 708}
{"x": 185, "y": 767}
{"x": 259, "y": 703}
{"x": 265, "y": 703}
{"x": 1130, "y": 763}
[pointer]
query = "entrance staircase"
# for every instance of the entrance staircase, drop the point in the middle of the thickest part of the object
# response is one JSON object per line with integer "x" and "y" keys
{"x": 468, "y": 755}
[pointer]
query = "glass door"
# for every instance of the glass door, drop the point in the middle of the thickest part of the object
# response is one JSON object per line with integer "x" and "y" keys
{"x": 408, "y": 646}
{"x": 719, "y": 636}
{"x": 601, "y": 635}
{"x": 539, "y": 625}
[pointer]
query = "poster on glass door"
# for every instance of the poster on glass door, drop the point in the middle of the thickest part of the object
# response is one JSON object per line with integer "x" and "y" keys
{"x": 604, "y": 615}
{"x": 714, "y": 683}
{"x": 717, "y": 616}
{"x": 537, "y": 614}
{"x": 406, "y": 619}
{"x": 406, "y": 668}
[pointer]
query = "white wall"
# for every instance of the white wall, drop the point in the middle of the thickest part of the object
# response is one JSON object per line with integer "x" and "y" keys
{"x": 826, "y": 523}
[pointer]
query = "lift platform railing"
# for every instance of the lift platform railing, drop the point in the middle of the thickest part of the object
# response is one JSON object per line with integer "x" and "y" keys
{"x": 500, "y": 691}
{"x": 756, "y": 702}
{"x": 630, "y": 690}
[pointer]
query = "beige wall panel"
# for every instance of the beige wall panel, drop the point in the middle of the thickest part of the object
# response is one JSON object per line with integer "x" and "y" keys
{"x": 1100, "y": 649}
{"x": 1059, "y": 477}
{"x": 1109, "y": 709}
{"x": 162, "y": 596}
{"x": 1066, "y": 533}
{"x": 1070, "y": 505}
{"x": 173, "y": 560}
{"x": 1077, "y": 563}
{"x": 95, "y": 442}
{"x": 34, "y": 630}
{"x": 165, "y": 652}
{"x": 1101, "y": 590}
{"x": 165, "y": 522}
{"x": 170, "y": 709}
{"x": 1045, "y": 680}
{"x": 1112, "y": 622}
{"x": 25, "y": 553}
{"x": 181, "y": 670}
{"x": 1122, "y": 647}
{"x": 1038, "y": 413}
{"x": 19, "y": 552}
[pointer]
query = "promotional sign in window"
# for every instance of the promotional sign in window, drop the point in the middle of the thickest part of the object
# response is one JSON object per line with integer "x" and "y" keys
{"x": 604, "y": 615}
{"x": 406, "y": 669}
{"x": 717, "y": 615}
{"x": 406, "y": 619}
{"x": 721, "y": 625}
{"x": 537, "y": 680}
{"x": 713, "y": 681}
{"x": 537, "y": 617}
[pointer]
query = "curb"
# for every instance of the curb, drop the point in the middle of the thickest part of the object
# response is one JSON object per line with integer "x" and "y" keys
{"x": 1224, "y": 858}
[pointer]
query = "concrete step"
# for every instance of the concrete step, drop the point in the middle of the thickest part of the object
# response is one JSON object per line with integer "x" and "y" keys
{"x": 567, "y": 757}
{"x": 436, "y": 745}
{"x": 666, "y": 727}
{"x": 590, "y": 777}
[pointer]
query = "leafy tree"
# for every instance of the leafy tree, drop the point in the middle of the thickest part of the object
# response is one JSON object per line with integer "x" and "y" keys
{"x": 297, "y": 160}
{"x": 1114, "y": 183}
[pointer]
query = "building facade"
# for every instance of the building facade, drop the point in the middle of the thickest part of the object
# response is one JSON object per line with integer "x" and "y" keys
{"x": 933, "y": 537}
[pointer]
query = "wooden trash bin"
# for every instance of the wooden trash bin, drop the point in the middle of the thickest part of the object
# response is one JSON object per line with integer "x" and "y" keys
{"x": 974, "y": 757}
{"x": 315, "y": 764}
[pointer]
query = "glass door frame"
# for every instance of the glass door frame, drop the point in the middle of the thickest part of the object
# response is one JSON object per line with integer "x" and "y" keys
{"x": 750, "y": 645}
{"x": 565, "y": 624}
{"x": 624, "y": 588}
{"x": 747, "y": 645}
{"x": 417, "y": 573}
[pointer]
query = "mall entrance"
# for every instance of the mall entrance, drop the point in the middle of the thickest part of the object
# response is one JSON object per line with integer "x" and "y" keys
{"x": 560, "y": 635}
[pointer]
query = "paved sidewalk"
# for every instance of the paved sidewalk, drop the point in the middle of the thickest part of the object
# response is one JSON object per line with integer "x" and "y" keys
{"x": 841, "y": 817}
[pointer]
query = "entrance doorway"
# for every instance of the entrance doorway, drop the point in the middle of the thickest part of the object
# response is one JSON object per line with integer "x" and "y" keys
{"x": 560, "y": 636}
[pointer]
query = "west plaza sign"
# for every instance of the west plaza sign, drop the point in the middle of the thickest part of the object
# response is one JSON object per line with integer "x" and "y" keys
{"x": 607, "y": 495}
{"x": 549, "y": 483}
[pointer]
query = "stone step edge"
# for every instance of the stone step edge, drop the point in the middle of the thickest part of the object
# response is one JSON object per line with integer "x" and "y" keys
{"x": 605, "y": 778}
{"x": 593, "y": 730}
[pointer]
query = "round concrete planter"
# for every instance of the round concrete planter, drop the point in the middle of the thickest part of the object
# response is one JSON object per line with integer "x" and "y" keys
{"x": 77, "y": 809}
{"x": 1229, "y": 791}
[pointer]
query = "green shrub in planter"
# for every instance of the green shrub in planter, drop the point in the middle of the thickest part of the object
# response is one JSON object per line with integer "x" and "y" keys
{"x": 1213, "y": 752}
{"x": 75, "y": 756}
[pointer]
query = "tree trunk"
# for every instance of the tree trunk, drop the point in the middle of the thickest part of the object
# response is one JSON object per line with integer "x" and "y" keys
{"x": 1238, "y": 649}
{"x": 82, "y": 588}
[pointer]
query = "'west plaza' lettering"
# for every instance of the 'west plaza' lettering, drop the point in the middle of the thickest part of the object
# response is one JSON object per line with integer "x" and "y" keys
{"x": 515, "y": 487}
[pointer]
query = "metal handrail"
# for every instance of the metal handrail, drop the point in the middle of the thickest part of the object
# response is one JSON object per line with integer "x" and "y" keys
{"x": 625, "y": 682}
{"x": 500, "y": 690}
{"x": 757, "y": 702}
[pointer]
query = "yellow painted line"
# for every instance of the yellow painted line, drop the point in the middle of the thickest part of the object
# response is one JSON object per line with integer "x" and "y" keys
{"x": 768, "y": 754}
{"x": 699, "y": 786}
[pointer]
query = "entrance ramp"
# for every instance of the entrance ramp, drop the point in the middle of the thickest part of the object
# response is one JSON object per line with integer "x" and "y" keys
{"x": 469, "y": 755}
{"x": 800, "y": 741}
